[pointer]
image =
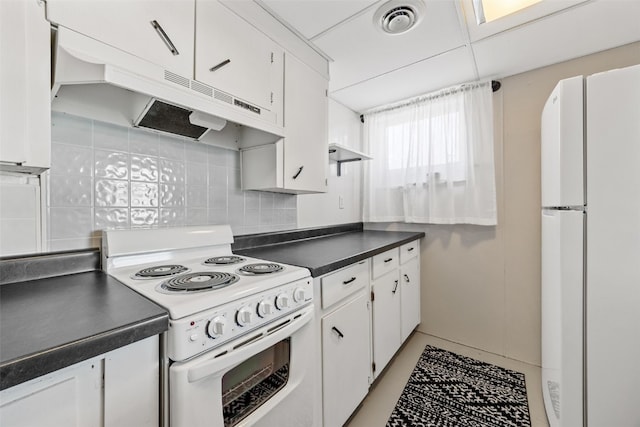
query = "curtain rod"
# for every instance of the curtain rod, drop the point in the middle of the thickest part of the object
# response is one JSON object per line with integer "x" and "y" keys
{"x": 495, "y": 86}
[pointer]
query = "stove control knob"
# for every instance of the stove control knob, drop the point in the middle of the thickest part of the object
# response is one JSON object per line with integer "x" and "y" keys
{"x": 282, "y": 301}
{"x": 265, "y": 308}
{"x": 217, "y": 326}
{"x": 298, "y": 295}
{"x": 244, "y": 316}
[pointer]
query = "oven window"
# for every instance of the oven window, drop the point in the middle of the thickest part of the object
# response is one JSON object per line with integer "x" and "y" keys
{"x": 254, "y": 381}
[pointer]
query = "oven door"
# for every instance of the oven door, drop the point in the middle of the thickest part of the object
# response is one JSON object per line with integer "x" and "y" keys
{"x": 261, "y": 379}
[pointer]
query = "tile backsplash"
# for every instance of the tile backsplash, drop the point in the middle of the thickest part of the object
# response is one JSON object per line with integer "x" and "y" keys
{"x": 105, "y": 176}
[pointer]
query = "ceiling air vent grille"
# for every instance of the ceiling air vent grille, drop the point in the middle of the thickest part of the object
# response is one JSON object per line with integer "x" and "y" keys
{"x": 399, "y": 16}
{"x": 175, "y": 78}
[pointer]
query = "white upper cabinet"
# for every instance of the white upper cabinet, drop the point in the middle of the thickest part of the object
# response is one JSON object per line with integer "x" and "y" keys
{"x": 306, "y": 114}
{"x": 234, "y": 57}
{"x": 161, "y": 32}
{"x": 25, "y": 85}
{"x": 298, "y": 163}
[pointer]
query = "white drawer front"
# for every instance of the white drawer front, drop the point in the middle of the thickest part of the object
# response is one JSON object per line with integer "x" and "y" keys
{"x": 342, "y": 283}
{"x": 409, "y": 251}
{"x": 385, "y": 262}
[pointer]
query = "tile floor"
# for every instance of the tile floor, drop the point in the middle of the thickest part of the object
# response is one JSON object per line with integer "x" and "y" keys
{"x": 377, "y": 406}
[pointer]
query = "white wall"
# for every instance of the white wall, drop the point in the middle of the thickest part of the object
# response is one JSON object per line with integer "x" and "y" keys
{"x": 481, "y": 285}
{"x": 323, "y": 209}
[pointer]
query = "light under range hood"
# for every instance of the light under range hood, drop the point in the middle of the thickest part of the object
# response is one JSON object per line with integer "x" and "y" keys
{"x": 97, "y": 81}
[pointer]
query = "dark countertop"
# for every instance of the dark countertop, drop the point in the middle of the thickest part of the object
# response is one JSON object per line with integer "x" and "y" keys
{"x": 49, "y": 323}
{"x": 324, "y": 254}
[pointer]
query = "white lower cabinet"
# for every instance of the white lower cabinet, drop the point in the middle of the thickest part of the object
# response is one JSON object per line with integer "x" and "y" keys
{"x": 385, "y": 292}
{"x": 119, "y": 388}
{"x": 345, "y": 359}
{"x": 366, "y": 311}
{"x": 409, "y": 297}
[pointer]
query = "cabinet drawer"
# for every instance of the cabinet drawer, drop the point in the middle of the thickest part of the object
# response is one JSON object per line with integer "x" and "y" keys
{"x": 409, "y": 251}
{"x": 384, "y": 262}
{"x": 342, "y": 283}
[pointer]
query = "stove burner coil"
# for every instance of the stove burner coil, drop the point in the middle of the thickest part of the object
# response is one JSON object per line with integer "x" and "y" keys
{"x": 160, "y": 271}
{"x": 260, "y": 268}
{"x": 224, "y": 260}
{"x": 198, "y": 282}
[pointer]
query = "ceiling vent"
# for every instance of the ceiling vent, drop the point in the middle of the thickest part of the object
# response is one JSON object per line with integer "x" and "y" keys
{"x": 398, "y": 16}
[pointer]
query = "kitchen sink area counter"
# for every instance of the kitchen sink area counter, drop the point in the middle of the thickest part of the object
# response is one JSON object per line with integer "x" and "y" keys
{"x": 49, "y": 323}
{"x": 322, "y": 250}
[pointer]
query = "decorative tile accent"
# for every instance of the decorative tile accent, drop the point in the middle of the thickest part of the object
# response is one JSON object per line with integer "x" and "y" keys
{"x": 172, "y": 195}
{"x": 111, "y": 192}
{"x": 172, "y": 171}
{"x": 144, "y": 194}
{"x": 111, "y": 164}
{"x": 144, "y": 168}
{"x": 144, "y": 217}
{"x": 108, "y": 218}
{"x": 175, "y": 217}
{"x": 105, "y": 176}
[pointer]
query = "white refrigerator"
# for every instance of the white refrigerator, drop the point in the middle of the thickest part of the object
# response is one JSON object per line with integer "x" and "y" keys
{"x": 590, "y": 158}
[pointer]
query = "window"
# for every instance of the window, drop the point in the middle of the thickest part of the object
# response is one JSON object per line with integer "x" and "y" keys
{"x": 432, "y": 159}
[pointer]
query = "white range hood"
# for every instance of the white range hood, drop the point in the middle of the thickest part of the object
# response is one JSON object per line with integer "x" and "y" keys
{"x": 95, "y": 80}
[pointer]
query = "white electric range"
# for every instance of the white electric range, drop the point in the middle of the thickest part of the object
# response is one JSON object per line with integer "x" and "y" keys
{"x": 237, "y": 325}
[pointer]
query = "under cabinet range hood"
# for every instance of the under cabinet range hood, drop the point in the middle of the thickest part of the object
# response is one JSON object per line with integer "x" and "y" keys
{"x": 97, "y": 81}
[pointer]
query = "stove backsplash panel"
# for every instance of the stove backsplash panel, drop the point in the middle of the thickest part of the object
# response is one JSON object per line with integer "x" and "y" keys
{"x": 106, "y": 176}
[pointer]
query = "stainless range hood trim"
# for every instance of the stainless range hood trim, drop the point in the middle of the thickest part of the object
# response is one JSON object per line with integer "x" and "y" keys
{"x": 76, "y": 69}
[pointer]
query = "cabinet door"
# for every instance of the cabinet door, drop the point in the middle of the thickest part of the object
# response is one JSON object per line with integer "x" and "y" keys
{"x": 161, "y": 32}
{"x": 25, "y": 85}
{"x": 70, "y": 397}
{"x": 386, "y": 319}
{"x": 345, "y": 360}
{"x": 410, "y": 296}
{"x": 305, "y": 121}
{"x": 234, "y": 57}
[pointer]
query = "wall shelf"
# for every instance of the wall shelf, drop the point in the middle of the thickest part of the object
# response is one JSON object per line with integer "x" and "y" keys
{"x": 341, "y": 154}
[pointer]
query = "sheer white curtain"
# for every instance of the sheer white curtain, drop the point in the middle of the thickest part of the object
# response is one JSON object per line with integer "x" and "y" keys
{"x": 432, "y": 159}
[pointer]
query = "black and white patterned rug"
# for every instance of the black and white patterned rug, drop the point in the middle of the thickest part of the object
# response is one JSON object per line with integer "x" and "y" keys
{"x": 449, "y": 390}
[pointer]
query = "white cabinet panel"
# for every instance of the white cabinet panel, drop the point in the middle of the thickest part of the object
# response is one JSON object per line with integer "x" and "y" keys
{"x": 161, "y": 32}
{"x": 119, "y": 388}
{"x": 70, "y": 397}
{"x": 342, "y": 283}
{"x": 306, "y": 128}
{"x": 345, "y": 359}
{"x": 25, "y": 85}
{"x": 386, "y": 319}
{"x": 233, "y": 56}
{"x": 384, "y": 263}
{"x": 298, "y": 163}
{"x": 132, "y": 387}
{"x": 410, "y": 296}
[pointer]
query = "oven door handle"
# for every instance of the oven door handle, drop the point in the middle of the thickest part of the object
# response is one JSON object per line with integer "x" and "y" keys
{"x": 256, "y": 342}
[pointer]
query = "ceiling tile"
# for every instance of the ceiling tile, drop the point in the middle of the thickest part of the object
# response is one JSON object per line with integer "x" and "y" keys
{"x": 311, "y": 17}
{"x": 583, "y": 30}
{"x": 362, "y": 51}
{"x": 432, "y": 74}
